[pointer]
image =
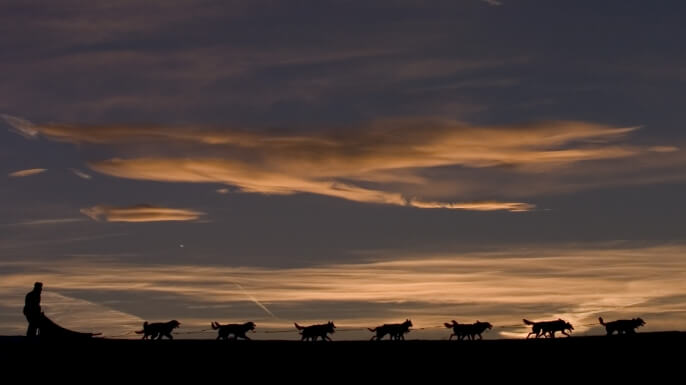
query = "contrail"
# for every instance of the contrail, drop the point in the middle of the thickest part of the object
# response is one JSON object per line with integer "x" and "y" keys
{"x": 258, "y": 303}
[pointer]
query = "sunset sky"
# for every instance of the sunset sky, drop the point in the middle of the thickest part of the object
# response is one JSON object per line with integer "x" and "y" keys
{"x": 356, "y": 161}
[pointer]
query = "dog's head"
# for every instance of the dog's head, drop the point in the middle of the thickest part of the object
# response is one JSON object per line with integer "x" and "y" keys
{"x": 331, "y": 328}
{"x": 569, "y": 326}
{"x": 639, "y": 322}
{"x": 485, "y": 325}
{"x": 174, "y": 324}
{"x": 407, "y": 323}
{"x": 250, "y": 326}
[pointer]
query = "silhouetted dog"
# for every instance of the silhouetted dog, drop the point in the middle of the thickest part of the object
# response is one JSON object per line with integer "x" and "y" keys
{"x": 159, "y": 329}
{"x": 462, "y": 331}
{"x": 310, "y": 333}
{"x": 548, "y": 328}
{"x": 622, "y": 326}
{"x": 395, "y": 331}
{"x": 238, "y": 330}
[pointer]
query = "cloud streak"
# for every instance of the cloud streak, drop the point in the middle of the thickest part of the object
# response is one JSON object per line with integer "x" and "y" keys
{"x": 575, "y": 283}
{"x": 20, "y": 126}
{"x": 381, "y": 162}
{"x": 251, "y": 179}
{"x": 28, "y": 172}
{"x": 140, "y": 213}
{"x": 54, "y": 221}
{"x": 475, "y": 206}
{"x": 80, "y": 174}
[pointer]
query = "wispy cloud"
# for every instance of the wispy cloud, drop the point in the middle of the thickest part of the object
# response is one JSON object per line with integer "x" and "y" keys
{"x": 140, "y": 213}
{"x": 577, "y": 284}
{"x": 380, "y": 162}
{"x": 52, "y": 221}
{"x": 29, "y": 172}
{"x": 252, "y": 179}
{"x": 20, "y": 126}
{"x": 338, "y": 164}
{"x": 475, "y": 206}
{"x": 80, "y": 174}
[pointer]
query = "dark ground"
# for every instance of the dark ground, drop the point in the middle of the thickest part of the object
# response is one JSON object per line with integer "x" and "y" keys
{"x": 654, "y": 355}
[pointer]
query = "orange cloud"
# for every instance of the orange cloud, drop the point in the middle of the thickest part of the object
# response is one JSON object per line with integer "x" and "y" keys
{"x": 476, "y": 206}
{"x": 55, "y": 221}
{"x": 140, "y": 213}
{"x": 386, "y": 144}
{"x": 254, "y": 179}
{"x": 29, "y": 172}
{"x": 577, "y": 284}
{"x": 381, "y": 162}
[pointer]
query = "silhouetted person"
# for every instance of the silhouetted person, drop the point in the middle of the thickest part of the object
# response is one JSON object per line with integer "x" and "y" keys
{"x": 32, "y": 309}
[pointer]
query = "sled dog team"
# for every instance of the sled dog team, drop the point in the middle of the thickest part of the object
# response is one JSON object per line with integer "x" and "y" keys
{"x": 546, "y": 329}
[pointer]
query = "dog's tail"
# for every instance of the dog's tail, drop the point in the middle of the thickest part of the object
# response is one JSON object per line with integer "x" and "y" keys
{"x": 601, "y": 321}
{"x": 449, "y": 326}
{"x": 526, "y": 321}
{"x": 145, "y": 324}
{"x": 372, "y": 330}
{"x": 215, "y": 325}
{"x": 298, "y": 326}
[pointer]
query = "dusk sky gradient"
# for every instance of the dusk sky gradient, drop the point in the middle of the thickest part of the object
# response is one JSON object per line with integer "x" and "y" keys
{"x": 362, "y": 162}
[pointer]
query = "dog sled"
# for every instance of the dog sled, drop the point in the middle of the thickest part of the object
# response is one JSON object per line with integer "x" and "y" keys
{"x": 48, "y": 329}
